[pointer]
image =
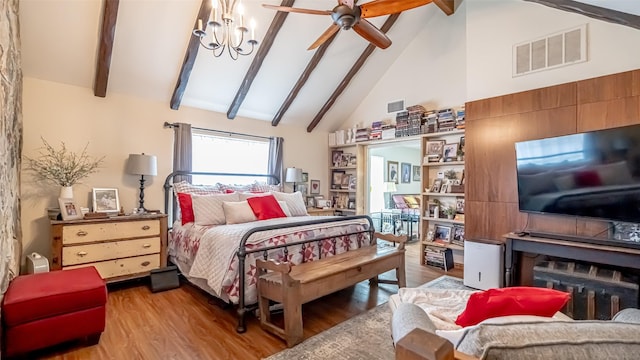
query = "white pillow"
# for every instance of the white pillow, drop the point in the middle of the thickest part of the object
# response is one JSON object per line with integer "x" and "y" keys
{"x": 238, "y": 212}
{"x": 294, "y": 201}
{"x": 454, "y": 336}
{"x": 285, "y": 208}
{"x": 245, "y": 195}
{"x": 207, "y": 209}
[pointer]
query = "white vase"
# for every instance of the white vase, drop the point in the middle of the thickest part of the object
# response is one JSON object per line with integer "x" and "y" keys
{"x": 66, "y": 192}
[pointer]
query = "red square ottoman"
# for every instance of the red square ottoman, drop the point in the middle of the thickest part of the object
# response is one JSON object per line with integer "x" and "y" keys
{"x": 45, "y": 309}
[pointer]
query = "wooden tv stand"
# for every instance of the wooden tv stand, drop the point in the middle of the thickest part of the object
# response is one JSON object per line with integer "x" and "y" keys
{"x": 601, "y": 254}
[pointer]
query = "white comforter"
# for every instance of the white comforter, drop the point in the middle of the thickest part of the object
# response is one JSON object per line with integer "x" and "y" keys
{"x": 442, "y": 305}
{"x": 215, "y": 257}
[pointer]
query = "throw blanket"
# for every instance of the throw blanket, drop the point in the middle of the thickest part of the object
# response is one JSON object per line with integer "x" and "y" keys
{"x": 442, "y": 305}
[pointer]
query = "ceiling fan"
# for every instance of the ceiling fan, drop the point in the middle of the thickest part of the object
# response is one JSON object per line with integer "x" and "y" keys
{"x": 347, "y": 15}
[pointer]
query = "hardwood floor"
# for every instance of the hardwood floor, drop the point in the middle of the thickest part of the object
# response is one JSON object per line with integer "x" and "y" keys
{"x": 186, "y": 323}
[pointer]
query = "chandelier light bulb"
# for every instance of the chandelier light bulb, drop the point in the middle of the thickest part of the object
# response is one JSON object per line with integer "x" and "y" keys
{"x": 225, "y": 35}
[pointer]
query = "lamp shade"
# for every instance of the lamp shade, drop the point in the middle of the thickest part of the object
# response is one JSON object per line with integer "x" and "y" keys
{"x": 141, "y": 164}
{"x": 389, "y": 186}
{"x": 293, "y": 175}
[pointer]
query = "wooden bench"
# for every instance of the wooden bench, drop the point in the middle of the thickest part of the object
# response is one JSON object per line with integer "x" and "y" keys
{"x": 294, "y": 285}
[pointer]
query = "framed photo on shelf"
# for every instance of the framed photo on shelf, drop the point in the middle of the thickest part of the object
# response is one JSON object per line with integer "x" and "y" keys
{"x": 392, "y": 171}
{"x": 69, "y": 209}
{"x": 434, "y": 150}
{"x": 450, "y": 151}
{"x": 305, "y": 177}
{"x": 105, "y": 200}
{"x": 460, "y": 206}
{"x": 303, "y": 189}
{"x": 437, "y": 184}
{"x": 405, "y": 170}
{"x": 336, "y": 179}
{"x": 458, "y": 233}
{"x": 344, "y": 185}
{"x": 416, "y": 173}
{"x": 336, "y": 157}
{"x": 442, "y": 233}
{"x": 352, "y": 183}
{"x": 345, "y": 159}
{"x": 315, "y": 187}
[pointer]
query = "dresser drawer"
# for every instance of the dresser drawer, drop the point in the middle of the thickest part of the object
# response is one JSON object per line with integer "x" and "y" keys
{"x": 82, "y": 254}
{"x": 84, "y": 233}
{"x": 122, "y": 267}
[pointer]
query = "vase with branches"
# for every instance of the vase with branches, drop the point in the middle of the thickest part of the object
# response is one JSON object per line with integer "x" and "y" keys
{"x": 62, "y": 166}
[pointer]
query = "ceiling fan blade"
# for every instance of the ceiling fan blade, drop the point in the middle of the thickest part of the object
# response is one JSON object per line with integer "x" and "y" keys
{"x": 368, "y": 31}
{"x": 297, "y": 10}
{"x": 325, "y": 36}
{"x": 386, "y": 7}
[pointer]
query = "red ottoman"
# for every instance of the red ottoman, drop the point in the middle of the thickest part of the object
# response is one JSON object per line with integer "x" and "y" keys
{"x": 45, "y": 309}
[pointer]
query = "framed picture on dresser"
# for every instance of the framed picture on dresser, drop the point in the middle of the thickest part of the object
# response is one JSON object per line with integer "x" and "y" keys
{"x": 106, "y": 200}
{"x": 69, "y": 209}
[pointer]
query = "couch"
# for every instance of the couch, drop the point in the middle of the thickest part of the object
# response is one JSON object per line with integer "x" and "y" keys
{"x": 414, "y": 335}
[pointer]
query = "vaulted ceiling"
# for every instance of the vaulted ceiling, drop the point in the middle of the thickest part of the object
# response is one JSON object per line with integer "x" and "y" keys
{"x": 69, "y": 41}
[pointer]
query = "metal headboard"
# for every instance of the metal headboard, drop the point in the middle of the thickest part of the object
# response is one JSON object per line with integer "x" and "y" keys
{"x": 170, "y": 202}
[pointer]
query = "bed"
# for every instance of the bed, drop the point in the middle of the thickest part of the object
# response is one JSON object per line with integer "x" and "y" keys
{"x": 222, "y": 238}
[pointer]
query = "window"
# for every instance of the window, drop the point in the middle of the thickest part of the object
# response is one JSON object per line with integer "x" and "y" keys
{"x": 229, "y": 154}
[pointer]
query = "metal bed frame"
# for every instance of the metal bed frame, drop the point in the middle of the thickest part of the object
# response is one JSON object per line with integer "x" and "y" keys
{"x": 242, "y": 252}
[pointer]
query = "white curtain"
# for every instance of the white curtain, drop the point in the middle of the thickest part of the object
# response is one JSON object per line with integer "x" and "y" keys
{"x": 11, "y": 147}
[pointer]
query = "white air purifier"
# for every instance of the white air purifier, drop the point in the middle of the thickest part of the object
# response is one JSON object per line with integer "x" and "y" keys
{"x": 483, "y": 264}
{"x": 37, "y": 263}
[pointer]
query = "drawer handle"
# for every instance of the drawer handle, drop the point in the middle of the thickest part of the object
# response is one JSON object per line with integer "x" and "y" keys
{"x": 146, "y": 227}
{"x": 146, "y": 246}
{"x": 81, "y": 253}
{"x": 82, "y": 233}
{"x": 146, "y": 263}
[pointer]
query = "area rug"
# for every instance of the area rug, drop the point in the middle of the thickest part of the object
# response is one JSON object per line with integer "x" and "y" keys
{"x": 365, "y": 336}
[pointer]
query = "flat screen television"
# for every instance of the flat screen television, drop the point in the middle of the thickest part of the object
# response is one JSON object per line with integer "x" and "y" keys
{"x": 592, "y": 174}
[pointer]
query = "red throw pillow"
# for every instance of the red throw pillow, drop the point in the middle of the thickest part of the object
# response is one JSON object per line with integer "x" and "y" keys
{"x": 266, "y": 207}
{"x": 511, "y": 301}
{"x": 186, "y": 208}
{"x": 587, "y": 178}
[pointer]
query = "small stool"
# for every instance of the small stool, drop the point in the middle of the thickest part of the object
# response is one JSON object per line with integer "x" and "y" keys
{"x": 44, "y": 309}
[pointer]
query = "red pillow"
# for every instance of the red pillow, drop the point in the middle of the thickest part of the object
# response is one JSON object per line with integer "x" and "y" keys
{"x": 512, "y": 301}
{"x": 265, "y": 207}
{"x": 186, "y": 208}
{"x": 587, "y": 178}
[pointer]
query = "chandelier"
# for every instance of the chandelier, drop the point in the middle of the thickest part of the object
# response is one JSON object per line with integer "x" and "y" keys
{"x": 227, "y": 28}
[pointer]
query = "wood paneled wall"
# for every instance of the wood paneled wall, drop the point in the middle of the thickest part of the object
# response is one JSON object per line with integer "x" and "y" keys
{"x": 494, "y": 126}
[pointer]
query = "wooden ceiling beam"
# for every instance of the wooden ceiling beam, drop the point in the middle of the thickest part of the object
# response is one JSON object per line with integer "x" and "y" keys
{"x": 315, "y": 60}
{"x": 261, "y": 54}
{"x": 189, "y": 57}
{"x": 107, "y": 34}
{"x": 447, "y": 6}
{"x": 592, "y": 11}
{"x": 354, "y": 70}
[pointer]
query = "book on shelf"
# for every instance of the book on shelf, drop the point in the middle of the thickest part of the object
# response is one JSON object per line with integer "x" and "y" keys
{"x": 439, "y": 257}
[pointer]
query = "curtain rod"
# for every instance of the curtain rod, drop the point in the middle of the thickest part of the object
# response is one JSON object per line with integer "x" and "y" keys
{"x": 170, "y": 125}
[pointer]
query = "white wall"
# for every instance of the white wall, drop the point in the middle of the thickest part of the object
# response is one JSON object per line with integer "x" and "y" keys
{"x": 400, "y": 154}
{"x": 494, "y": 26}
{"x": 118, "y": 125}
{"x": 430, "y": 72}
{"x": 467, "y": 56}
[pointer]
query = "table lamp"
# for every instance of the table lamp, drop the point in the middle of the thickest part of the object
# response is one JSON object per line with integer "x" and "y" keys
{"x": 389, "y": 187}
{"x": 143, "y": 165}
{"x": 293, "y": 175}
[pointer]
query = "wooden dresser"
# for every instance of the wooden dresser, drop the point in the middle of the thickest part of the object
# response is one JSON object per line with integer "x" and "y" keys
{"x": 320, "y": 212}
{"x": 121, "y": 248}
